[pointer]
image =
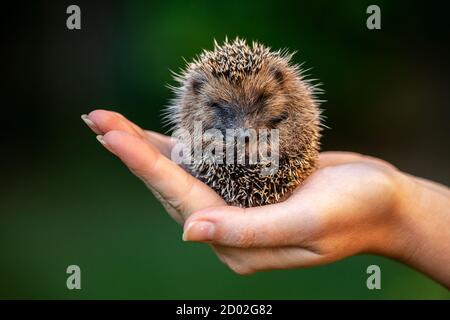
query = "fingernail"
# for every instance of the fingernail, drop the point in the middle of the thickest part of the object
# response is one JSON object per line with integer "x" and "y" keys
{"x": 89, "y": 123}
{"x": 101, "y": 140}
{"x": 199, "y": 231}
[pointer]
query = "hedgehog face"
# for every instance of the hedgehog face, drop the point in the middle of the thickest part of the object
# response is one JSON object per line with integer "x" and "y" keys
{"x": 259, "y": 101}
{"x": 242, "y": 87}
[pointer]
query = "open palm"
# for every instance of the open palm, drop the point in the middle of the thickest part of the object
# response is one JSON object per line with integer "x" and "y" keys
{"x": 340, "y": 210}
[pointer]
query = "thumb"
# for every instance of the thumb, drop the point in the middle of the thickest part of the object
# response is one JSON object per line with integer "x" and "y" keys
{"x": 267, "y": 226}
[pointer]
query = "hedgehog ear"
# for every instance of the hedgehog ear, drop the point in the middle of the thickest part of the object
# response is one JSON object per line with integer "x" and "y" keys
{"x": 197, "y": 83}
{"x": 277, "y": 74}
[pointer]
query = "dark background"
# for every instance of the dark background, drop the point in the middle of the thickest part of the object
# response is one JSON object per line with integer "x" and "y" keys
{"x": 65, "y": 200}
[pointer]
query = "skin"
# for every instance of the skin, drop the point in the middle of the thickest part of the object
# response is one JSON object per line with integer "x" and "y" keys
{"x": 352, "y": 204}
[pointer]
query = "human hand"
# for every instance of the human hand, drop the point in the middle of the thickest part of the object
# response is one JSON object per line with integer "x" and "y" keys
{"x": 147, "y": 155}
{"x": 351, "y": 204}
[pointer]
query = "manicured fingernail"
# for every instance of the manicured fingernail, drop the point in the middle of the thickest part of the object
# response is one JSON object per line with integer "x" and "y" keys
{"x": 101, "y": 140}
{"x": 89, "y": 123}
{"x": 199, "y": 231}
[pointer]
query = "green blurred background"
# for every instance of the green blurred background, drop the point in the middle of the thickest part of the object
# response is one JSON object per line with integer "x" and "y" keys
{"x": 65, "y": 200}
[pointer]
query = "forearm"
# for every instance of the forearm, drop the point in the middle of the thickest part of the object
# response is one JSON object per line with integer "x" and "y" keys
{"x": 422, "y": 224}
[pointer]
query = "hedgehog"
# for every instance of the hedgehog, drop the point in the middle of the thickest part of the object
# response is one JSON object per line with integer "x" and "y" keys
{"x": 241, "y": 86}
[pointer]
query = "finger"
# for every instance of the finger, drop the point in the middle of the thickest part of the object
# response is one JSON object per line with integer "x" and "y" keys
{"x": 335, "y": 158}
{"x": 275, "y": 225}
{"x": 250, "y": 260}
{"x": 170, "y": 210}
{"x": 180, "y": 189}
{"x": 91, "y": 124}
{"x": 162, "y": 142}
{"x": 103, "y": 121}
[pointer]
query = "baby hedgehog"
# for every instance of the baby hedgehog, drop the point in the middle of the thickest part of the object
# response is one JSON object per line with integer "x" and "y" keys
{"x": 238, "y": 86}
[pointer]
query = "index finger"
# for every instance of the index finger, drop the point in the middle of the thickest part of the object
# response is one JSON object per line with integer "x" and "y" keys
{"x": 180, "y": 189}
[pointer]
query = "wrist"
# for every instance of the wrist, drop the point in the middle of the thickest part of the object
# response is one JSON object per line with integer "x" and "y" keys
{"x": 402, "y": 243}
{"x": 418, "y": 232}
{"x": 393, "y": 236}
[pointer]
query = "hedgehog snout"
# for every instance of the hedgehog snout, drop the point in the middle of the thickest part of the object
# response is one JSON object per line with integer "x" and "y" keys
{"x": 232, "y": 122}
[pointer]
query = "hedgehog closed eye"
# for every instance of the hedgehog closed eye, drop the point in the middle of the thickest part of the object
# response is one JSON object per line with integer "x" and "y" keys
{"x": 221, "y": 109}
{"x": 262, "y": 98}
{"x": 217, "y": 106}
{"x": 276, "y": 120}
